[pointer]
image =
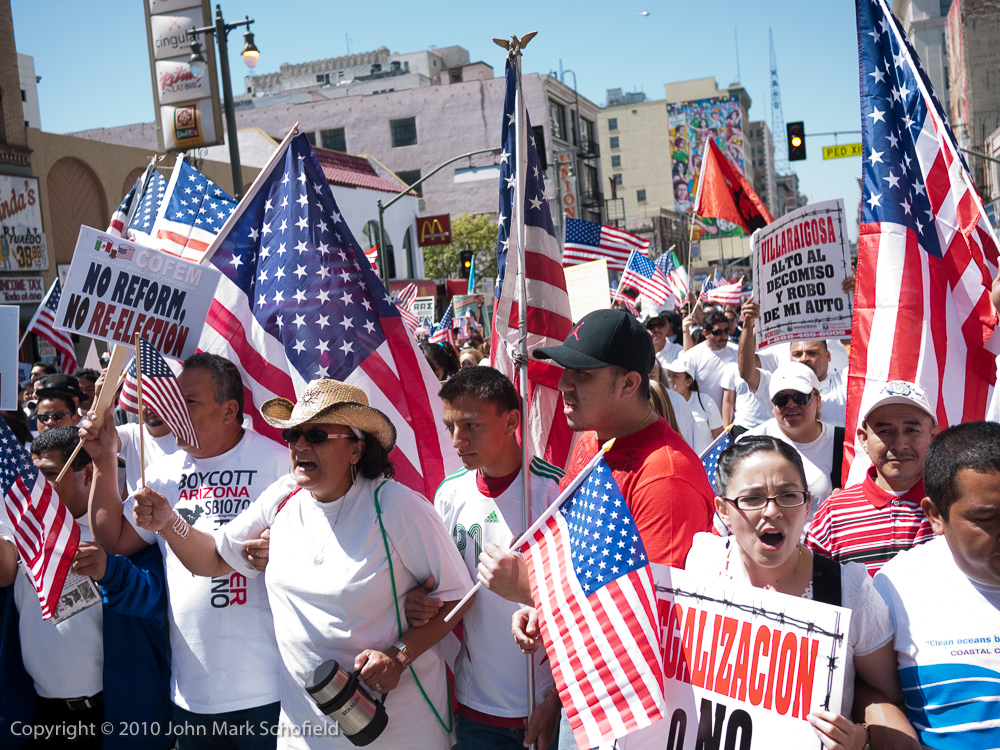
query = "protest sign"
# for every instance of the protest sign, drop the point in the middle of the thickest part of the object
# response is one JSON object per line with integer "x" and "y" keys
{"x": 587, "y": 287}
{"x": 116, "y": 289}
{"x": 423, "y": 307}
{"x": 743, "y": 667}
{"x": 800, "y": 263}
{"x": 469, "y": 303}
{"x": 9, "y": 379}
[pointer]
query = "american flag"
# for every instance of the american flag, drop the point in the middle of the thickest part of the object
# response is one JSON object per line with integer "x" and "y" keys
{"x": 593, "y": 588}
{"x": 724, "y": 294}
{"x": 191, "y": 214}
{"x": 372, "y": 255}
{"x": 548, "y": 315}
{"x": 43, "y": 323}
{"x": 623, "y": 299}
{"x": 587, "y": 241}
{"x": 298, "y": 301}
{"x": 160, "y": 392}
{"x": 642, "y": 274}
{"x": 404, "y": 302}
{"x": 150, "y": 194}
{"x": 710, "y": 460}
{"x": 45, "y": 534}
{"x": 677, "y": 277}
{"x": 926, "y": 253}
{"x": 444, "y": 331}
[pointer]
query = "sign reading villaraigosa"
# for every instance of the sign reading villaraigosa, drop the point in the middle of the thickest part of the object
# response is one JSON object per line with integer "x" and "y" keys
{"x": 434, "y": 230}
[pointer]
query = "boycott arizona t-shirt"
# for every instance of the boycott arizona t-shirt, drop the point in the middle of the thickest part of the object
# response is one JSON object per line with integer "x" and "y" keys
{"x": 224, "y": 655}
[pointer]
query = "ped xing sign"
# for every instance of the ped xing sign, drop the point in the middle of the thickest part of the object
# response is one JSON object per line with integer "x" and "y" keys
{"x": 434, "y": 230}
{"x": 839, "y": 152}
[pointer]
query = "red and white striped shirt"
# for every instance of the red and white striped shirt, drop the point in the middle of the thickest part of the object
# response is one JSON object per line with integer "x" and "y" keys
{"x": 868, "y": 525}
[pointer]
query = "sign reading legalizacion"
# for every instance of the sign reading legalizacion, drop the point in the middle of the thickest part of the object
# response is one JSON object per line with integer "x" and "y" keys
{"x": 116, "y": 289}
{"x": 800, "y": 263}
{"x": 743, "y": 667}
{"x": 22, "y": 243}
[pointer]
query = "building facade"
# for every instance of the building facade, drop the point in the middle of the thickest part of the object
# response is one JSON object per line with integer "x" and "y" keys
{"x": 760, "y": 154}
{"x": 924, "y": 24}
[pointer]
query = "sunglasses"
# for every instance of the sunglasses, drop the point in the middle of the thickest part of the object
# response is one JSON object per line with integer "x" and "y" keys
{"x": 781, "y": 399}
{"x": 53, "y": 417}
{"x": 313, "y": 437}
{"x": 717, "y": 332}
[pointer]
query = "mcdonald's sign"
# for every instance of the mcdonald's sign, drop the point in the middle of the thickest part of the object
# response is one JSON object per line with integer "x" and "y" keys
{"x": 433, "y": 230}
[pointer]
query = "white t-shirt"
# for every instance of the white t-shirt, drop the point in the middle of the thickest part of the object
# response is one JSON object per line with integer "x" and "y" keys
{"x": 947, "y": 628}
{"x": 154, "y": 448}
{"x": 750, "y": 412}
{"x": 871, "y": 626}
{"x": 223, "y": 653}
{"x": 817, "y": 459}
{"x": 685, "y": 419}
{"x": 338, "y": 608}
{"x": 668, "y": 354}
{"x": 706, "y": 366}
{"x": 706, "y": 418}
{"x": 832, "y": 391}
{"x": 491, "y": 671}
{"x": 64, "y": 660}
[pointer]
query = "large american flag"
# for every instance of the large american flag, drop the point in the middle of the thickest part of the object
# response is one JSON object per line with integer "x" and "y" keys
{"x": 926, "y": 253}
{"x": 45, "y": 534}
{"x": 160, "y": 393}
{"x": 43, "y": 323}
{"x": 643, "y": 274}
{"x": 587, "y": 241}
{"x": 298, "y": 301}
{"x": 594, "y": 591}
{"x": 192, "y": 212}
{"x": 548, "y": 315}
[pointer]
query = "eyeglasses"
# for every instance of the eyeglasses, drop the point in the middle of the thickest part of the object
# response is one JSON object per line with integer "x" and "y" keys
{"x": 52, "y": 417}
{"x": 790, "y": 499}
{"x": 802, "y": 399}
{"x": 717, "y": 332}
{"x": 314, "y": 436}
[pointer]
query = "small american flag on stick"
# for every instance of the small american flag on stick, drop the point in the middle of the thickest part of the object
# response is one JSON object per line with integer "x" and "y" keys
{"x": 160, "y": 392}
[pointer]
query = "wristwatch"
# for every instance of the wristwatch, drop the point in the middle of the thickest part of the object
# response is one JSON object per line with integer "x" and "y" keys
{"x": 403, "y": 655}
{"x": 868, "y": 738}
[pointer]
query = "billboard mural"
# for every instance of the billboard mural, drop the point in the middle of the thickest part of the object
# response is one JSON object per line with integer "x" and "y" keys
{"x": 691, "y": 124}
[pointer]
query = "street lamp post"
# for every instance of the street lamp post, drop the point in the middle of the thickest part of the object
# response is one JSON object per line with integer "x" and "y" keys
{"x": 381, "y": 209}
{"x": 198, "y": 68}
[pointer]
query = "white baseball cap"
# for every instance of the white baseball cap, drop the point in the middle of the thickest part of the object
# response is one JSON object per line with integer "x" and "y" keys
{"x": 899, "y": 392}
{"x": 793, "y": 376}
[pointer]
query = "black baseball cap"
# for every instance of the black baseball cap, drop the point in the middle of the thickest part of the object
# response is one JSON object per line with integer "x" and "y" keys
{"x": 57, "y": 385}
{"x": 601, "y": 339}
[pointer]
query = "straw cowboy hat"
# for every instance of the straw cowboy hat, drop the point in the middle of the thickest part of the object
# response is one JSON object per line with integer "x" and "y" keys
{"x": 334, "y": 402}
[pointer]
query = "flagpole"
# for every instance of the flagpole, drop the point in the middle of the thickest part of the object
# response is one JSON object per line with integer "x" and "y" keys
{"x": 138, "y": 398}
{"x": 697, "y": 201}
{"x": 521, "y": 162}
{"x": 563, "y": 496}
{"x": 621, "y": 277}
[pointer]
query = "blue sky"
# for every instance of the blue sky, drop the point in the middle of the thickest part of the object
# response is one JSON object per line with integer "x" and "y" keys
{"x": 95, "y": 65}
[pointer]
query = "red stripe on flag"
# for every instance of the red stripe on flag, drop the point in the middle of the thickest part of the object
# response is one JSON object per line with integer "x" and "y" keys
{"x": 542, "y": 268}
{"x": 231, "y": 329}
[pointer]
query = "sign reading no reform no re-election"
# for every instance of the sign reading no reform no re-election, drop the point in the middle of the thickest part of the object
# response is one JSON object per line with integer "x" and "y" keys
{"x": 117, "y": 288}
{"x": 800, "y": 263}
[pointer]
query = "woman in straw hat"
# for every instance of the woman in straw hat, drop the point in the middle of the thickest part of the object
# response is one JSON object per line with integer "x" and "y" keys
{"x": 346, "y": 545}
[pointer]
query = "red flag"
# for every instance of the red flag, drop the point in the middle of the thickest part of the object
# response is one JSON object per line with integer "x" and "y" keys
{"x": 724, "y": 193}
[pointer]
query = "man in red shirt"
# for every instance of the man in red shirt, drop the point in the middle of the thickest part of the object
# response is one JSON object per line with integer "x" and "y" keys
{"x": 605, "y": 388}
{"x": 873, "y": 521}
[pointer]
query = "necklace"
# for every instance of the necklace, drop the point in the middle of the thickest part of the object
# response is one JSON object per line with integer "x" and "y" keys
{"x": 319, "y": 555}
{"x": 778, "y": 586}
{"x": 645, "y": 421}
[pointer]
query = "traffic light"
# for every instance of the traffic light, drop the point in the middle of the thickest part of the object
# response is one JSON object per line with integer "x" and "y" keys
{"x": 796, "y": 141}
{"x": 464, "y": 263}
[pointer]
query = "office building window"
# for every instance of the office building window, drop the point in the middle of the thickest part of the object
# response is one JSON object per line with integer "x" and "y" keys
{"x": 640, "y": 195}
{"x": 589, "y": 180}
{"x": 618, "y": 180}
{"x": 614, "y": 141}
{"x": 612, "y": 123}
{"x": 557, "y": 120}
{"x": 404, "y": 132}
{"x": 616, "y": 161}
{"x": 334, "y": 139}
{"x": 409, "y": 176}
{"x": 322, "y": 78}
{"x": 587, "y": 131}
